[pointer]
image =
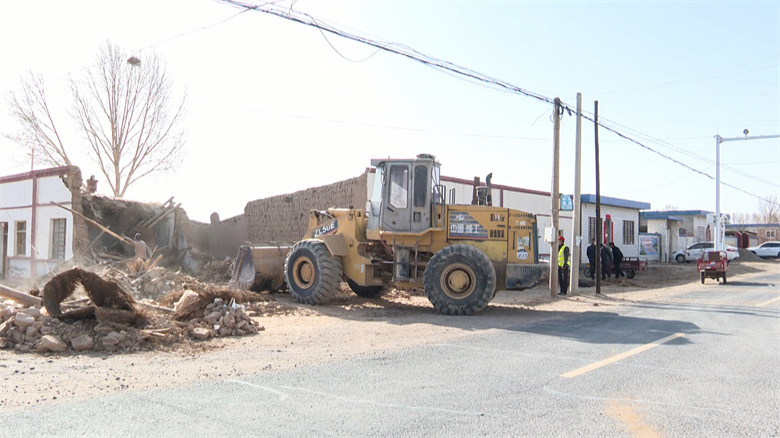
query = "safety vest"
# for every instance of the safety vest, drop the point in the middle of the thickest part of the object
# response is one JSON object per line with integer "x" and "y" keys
{"x": 561, "y": 258}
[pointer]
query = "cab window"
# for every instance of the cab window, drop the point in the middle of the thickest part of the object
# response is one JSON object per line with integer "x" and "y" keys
{"x": 420, "y": 185}
{"x": 399, "y": 186}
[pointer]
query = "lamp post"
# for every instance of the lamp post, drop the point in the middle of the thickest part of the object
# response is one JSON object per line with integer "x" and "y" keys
{"x": 718, "y": 141}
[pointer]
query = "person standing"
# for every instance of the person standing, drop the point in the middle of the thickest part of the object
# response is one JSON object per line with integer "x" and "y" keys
{"x": 617, "y": 259}
{"x": 606, "y": 261}
{"x": 563, "y": 266}
{"x": 141, "y": 248}
{"x": 591, "y": 253}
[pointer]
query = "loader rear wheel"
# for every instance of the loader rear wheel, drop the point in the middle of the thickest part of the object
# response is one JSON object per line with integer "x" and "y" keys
{"x": 460, "y": 280}
{"x": 365, "y": 291}
{"x": 312, "y": 273}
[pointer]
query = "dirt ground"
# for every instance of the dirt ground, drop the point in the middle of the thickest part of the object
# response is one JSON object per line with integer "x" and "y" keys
{"x": 296, "y": 335}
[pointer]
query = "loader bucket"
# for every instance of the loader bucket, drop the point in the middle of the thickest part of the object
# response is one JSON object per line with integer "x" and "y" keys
{"x": 260, "y": 268}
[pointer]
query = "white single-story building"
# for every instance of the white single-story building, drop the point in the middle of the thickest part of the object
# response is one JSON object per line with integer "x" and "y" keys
{"x": 37, "y": 234}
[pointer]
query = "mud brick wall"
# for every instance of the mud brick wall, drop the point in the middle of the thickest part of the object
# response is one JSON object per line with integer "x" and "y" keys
{"x": 284, "y": 218}
{"x": 220, "y": 238}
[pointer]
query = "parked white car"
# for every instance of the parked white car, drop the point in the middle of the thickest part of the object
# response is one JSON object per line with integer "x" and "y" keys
{"x": 766, "y": 249}
{"x": 695, "y": 251}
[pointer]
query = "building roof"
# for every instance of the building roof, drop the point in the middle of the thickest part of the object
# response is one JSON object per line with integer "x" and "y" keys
{"x": 738, "y": 226}
{"x": 659, "y": 215}
{"x": 615, "y": 202}
{"x": 42, "y": 173}
{"x": 680, "y": 212}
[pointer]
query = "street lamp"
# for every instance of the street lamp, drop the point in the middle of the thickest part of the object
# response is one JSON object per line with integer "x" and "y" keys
{"x": 718, "y": 141}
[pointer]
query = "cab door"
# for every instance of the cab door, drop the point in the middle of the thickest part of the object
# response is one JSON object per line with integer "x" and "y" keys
{"x": 396, "y": 203}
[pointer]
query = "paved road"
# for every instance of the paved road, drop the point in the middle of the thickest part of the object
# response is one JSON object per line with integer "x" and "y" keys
{"x": 701, "y": 364}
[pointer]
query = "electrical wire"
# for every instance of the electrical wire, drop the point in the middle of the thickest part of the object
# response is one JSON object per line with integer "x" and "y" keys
{"x": 454, "y": 69}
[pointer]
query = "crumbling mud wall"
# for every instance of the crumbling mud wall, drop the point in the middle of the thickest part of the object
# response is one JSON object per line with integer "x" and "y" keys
{"x": 284, "y": 218}
{"x": 220, "y": 238}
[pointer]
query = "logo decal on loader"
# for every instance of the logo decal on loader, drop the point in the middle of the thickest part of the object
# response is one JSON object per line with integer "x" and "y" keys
{"x": 464, "y": 226}
{"x": 328, "y": 228}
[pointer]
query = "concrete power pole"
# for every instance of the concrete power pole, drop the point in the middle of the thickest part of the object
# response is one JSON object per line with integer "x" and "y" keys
{"x": 576, "y": 220}
{"x": 555, "y": 197}
{"x": 599, "y": 227}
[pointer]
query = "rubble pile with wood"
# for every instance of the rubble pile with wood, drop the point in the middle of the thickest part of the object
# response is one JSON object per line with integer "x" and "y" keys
{"x": 123, "y": 311}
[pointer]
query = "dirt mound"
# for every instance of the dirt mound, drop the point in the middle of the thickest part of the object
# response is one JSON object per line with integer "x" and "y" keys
{"x": 747, "y": 256}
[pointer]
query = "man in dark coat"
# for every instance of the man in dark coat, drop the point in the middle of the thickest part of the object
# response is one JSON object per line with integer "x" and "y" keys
{"x": 606, "y": 262}
{"x": 591, "y": 253}
{"x": 617, "y": 259}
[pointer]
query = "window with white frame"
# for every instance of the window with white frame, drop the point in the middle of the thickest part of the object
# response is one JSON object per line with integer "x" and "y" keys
{"x": 21, "y": 238}
{"x": 628, "y": 232}
{"x": 58, "y": 239}
{"x": 592, "y": 229}
{"x": 771, "y": 234}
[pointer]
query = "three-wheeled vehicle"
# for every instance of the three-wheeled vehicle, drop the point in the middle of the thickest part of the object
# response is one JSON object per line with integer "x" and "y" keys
{"x": 713, "y": 264}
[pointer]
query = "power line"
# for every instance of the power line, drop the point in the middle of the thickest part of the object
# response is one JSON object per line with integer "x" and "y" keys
{"x": 453, "y": 69}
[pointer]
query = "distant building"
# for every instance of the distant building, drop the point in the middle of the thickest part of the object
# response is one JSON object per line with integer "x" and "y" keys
{"x": 747, "y": 235}
{"x": 678, "y": 229}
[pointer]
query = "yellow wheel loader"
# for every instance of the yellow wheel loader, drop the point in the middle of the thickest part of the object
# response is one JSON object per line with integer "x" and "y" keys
{"x": 408, "y": 237}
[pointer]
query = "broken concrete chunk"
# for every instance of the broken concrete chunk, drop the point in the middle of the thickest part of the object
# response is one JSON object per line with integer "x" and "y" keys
{"x": 112, "y": 338}
{"x": 213, "y": 318}
{"x": 53, "y": 343}
{"x": 24, "y": 320}
{"x": 82, "y": 343}
{"x": 201, "y": 333}
{"x": 32, "y": 311}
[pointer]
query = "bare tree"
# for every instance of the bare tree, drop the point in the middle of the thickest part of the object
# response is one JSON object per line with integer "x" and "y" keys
{"x": 739, "y": 218}
{"x": 768, "y": 211}
{"x": 122, "y": 105}
{"x": 124, "y": 109}
{"x": 38, "y": 132}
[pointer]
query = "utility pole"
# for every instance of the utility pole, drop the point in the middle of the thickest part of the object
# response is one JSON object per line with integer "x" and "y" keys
{"x": 555, "y": 198}
{"x": 576, "y": 221}
{"x": 597, "y": 268}
{"x": 718, "y": 141}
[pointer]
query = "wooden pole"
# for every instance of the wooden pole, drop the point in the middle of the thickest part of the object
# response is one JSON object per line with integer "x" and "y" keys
{"x": 20, "y": 297}
{"x": 117, "y": 236}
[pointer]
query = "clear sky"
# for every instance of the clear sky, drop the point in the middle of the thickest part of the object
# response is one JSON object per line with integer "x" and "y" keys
{"x": 276, "y": 107}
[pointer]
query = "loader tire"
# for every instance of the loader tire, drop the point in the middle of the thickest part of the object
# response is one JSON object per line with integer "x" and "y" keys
{"x": 460, "y": 280}
{"x": 311, "y": 272}
{"x": 365, "y": 291}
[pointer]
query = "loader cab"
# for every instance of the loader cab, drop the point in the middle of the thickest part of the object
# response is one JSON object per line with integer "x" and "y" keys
{"x": 403, "y": 194}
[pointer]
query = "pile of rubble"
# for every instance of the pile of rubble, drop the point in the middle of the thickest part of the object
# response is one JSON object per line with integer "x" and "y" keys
{"x": 109, "y": 309}
{"x": 32, "y": 330}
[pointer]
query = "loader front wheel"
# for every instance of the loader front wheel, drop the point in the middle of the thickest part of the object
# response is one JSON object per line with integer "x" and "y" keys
{"x": 460, "y": 280}
{"x": 365, "y": 291}
{"x": 311, "y": 272}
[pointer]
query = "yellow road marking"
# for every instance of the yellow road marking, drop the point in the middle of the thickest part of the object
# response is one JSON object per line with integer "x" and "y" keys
{"x": 621, "y": 356}
{"x": 766, "y": 303}
{"x": 628, "y": 415}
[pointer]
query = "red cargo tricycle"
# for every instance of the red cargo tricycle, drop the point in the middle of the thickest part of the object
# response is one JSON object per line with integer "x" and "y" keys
{"x": 713, "y": 264}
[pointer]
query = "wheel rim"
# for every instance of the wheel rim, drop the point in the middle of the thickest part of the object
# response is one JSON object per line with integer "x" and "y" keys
{"x": 458, "y": 281}
{"x": 304, "y": 272}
